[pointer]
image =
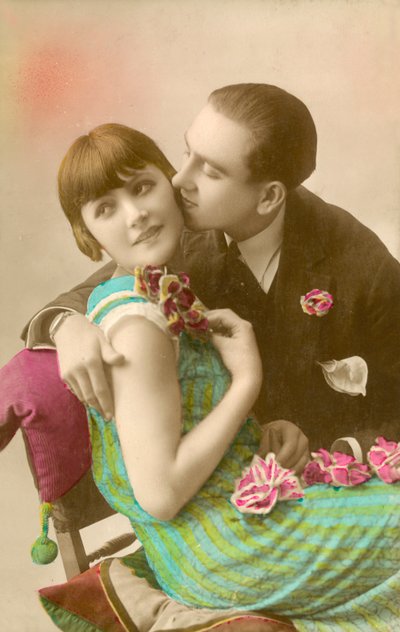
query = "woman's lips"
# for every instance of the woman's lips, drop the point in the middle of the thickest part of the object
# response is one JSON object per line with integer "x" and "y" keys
{"x": 148, "y": 235}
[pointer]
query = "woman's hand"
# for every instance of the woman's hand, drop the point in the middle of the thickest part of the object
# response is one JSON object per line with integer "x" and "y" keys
{"x": 235, "y": 340}
{"x": 82, "y": 353}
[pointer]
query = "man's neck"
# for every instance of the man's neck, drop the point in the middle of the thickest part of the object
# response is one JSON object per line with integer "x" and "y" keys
{"x": 261, "y": 223}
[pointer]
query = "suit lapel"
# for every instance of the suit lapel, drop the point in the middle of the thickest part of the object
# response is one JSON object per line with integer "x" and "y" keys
{"x": 300, "y": 270}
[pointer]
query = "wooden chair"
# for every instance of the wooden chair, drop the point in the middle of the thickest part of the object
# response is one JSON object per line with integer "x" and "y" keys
{"x": 79, "y": 508}
{"x": 54, "y": 427}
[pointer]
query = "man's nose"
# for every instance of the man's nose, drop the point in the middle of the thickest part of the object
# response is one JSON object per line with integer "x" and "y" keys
{"x": 183, "y": 179}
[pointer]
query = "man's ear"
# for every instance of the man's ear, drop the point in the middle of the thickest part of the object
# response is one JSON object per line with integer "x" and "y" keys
{"x": 272, "y": 197}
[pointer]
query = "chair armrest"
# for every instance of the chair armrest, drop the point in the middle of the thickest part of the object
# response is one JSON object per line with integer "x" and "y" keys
{"x": 53, "y": 421}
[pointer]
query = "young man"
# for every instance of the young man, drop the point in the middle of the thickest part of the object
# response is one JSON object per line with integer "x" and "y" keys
{"x": 332, "y": 358}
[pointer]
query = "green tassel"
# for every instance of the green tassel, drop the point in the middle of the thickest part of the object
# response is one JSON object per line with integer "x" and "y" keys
{"x": 44, "y": 550}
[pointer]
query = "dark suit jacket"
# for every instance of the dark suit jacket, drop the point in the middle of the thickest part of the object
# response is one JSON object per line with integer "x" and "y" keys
{"x": 323, "y": 247}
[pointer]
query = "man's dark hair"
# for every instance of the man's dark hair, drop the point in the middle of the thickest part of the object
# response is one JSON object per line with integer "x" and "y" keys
{"x": 281, "y": 126}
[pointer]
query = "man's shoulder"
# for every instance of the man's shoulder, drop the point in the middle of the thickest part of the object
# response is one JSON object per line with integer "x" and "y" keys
{"x": 319, "y": 210}
{"x": 335, "y": 227}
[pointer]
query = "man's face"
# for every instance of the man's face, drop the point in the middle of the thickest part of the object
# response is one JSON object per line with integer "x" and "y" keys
{"x": 214, "y": 178}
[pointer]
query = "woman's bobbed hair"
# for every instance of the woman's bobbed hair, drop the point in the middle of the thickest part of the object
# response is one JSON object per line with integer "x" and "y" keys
{"x": 93, "y": 165}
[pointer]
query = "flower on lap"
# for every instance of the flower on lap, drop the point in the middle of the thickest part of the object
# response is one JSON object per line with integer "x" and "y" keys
{"x": 384, "y": 458}
{"x": 337, "y": 469}
{"x": 262, "y": 484}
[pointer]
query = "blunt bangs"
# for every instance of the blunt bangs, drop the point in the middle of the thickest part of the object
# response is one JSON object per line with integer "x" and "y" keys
{"x": 94, "y": 163}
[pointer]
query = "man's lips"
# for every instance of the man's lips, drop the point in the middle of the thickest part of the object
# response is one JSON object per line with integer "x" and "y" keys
{"x": 186, "y": 202}
{"x": 148, "y": 235}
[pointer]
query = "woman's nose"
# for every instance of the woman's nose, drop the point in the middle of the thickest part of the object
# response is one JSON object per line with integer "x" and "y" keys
{"x": 135, "y": 215}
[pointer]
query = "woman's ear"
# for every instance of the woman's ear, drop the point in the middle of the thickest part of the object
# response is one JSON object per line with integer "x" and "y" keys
{"x": 272, "y": 197}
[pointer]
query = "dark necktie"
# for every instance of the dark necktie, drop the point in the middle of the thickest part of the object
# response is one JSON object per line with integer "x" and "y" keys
{"x": 233, "y": 251}
{"x": 244, "y": 294}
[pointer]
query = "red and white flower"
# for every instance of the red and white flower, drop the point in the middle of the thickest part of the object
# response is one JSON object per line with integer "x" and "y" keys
{"x": 337, "y": 469}
{"x": 316, "y": 302}
{"x": 181, "y": 307}
{"x": 262, "y": 484}
{"x": 384, "y": 458}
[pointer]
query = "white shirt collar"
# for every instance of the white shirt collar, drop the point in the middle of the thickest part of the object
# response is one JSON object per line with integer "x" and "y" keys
{"x": 259, "y": 250}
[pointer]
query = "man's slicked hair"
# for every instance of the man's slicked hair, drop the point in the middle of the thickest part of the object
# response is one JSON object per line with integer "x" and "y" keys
{"x": 281, "y": 126}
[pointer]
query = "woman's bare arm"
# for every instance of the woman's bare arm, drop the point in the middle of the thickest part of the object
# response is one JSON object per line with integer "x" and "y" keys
{"x": 164, "y": 468}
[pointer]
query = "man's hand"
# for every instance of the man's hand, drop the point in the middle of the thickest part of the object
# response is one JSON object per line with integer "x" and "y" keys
{"x": 82, "y": 353}
{"x": 288, "y": 442}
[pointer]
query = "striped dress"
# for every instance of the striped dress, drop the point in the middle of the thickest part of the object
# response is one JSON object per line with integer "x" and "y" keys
{"x": 330, "y": 563}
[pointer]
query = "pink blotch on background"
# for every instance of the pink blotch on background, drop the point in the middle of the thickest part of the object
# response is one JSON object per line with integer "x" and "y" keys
{"x": 50, "y": 80}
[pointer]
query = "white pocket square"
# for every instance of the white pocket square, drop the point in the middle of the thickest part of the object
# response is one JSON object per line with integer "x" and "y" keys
{"x": 346, "y": 376}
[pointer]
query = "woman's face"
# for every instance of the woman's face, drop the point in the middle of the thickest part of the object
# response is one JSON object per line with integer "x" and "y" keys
{"x": 139, "y": 223}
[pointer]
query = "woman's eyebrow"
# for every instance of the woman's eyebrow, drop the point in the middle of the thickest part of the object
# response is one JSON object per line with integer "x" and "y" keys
{"x": 131, "y": 176}
{"x": 203, "y": 158}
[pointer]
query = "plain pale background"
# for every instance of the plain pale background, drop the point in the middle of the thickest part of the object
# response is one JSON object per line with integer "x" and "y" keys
{"x": 67, "y": 66}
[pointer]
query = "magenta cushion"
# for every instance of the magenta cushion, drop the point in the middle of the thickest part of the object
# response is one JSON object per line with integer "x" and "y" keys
{"x": 33, "y": 398}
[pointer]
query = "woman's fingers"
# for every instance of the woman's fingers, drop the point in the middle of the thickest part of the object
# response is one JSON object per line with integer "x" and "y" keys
{"x": 225, "y": 321}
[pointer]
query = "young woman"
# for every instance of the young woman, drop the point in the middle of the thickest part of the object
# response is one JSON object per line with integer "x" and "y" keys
{"x": 182, "y": 435}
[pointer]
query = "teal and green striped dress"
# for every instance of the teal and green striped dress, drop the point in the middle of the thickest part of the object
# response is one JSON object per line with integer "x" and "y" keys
{"x": 330, "y": 563}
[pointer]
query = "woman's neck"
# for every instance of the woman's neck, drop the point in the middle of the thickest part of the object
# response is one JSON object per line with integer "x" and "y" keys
{"x": 120, "y": 271}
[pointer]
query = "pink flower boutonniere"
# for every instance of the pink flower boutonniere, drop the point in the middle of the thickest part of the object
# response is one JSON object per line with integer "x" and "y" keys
{"x": 316, "y": 303}
{"x": 262, "y": 484}
{"x": 384, "y": 458}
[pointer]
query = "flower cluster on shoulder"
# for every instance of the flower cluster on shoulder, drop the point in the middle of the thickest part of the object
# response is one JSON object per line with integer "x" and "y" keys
{"x": 181, "y": 307}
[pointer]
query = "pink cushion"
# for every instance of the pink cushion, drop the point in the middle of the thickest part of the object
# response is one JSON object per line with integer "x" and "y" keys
{"x": 33, "y": 398}
{"x": 85, "y": 601}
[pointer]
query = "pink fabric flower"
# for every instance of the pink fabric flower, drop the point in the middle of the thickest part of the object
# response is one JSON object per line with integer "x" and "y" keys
{"x": 314, "y": 473}
{"x": 180, "y": 306}
{"x": 262, "y": 484}
{"x": 347, "y": 472}
{"x": 316, "y": 302}
{"x": 384, "y": 458}
{"x": 337, "y": 469}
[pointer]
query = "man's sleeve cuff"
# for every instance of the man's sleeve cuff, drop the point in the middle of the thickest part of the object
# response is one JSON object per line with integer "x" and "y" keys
{"x": 37, "y": 336}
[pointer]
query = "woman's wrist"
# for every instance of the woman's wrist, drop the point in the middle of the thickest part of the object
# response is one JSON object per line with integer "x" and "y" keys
{"x": 246, "y": 388}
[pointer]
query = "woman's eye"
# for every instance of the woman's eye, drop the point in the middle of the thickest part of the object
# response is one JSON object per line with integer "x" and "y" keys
{"x": 104, "y": 210}
{"x": 140, "y": 188}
